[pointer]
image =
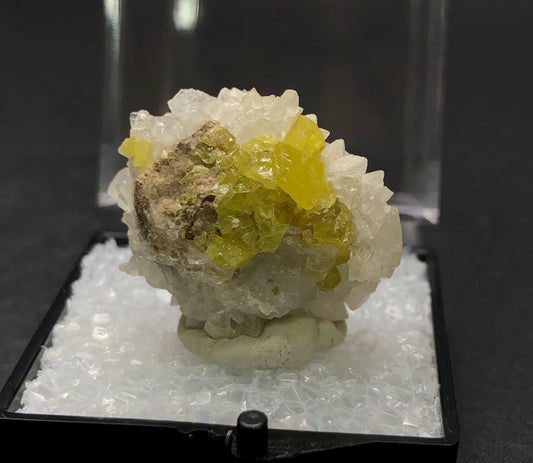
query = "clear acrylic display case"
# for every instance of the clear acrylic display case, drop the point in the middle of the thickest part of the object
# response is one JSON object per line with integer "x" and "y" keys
{"x": 372, "y": 70}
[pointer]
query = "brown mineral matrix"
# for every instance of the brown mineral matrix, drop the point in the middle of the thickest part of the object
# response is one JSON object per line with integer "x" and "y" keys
{"x": 173, "y": 197}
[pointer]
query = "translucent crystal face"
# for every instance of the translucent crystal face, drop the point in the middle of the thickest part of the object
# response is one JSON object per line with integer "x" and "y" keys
{"x": 241, "y": 209}
{"x": 139, "y": 150}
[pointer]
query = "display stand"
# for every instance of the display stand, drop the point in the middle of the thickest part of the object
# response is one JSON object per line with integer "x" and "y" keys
{"x": 151, "y": 437}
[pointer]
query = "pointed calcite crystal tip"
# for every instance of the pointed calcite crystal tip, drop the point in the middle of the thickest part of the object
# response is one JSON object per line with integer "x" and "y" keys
{"x": 254, "y": 223}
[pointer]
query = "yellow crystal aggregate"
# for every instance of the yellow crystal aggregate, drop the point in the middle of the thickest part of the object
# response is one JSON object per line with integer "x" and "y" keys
{"x": 269, "y": 185}
{"x": 293, "y": 164}
{"x": 213, "y": 145}
{"x": 264, "y": 187}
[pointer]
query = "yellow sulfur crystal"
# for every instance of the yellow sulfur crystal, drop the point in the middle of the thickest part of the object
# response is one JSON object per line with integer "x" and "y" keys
{"x": 298, "y": 169}
{"x": 301, "y": 175}
{"x": 228, "y": 252}
{"x": 264, "y": 187}
{"x": 293, "y": 165}
{"x": 250, "y": 219}
{"x": 139, "y": 150}
{"x": 305, "y": 136}
{"x": 213, "y": 145}
{"x": 332, "y": 227}
{"x": 273, "y": 214}
{"x": 331, "y": 280}
{"x": 254, "y": 159}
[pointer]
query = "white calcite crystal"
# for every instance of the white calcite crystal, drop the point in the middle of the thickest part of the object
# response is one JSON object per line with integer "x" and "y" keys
{"x": 239, "y": 208}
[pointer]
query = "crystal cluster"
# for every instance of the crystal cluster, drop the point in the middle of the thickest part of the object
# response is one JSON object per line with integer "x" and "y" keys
{"x": 238, "y": 206}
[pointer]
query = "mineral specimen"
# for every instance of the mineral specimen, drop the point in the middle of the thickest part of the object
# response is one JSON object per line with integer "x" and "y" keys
{"x": 254, "y": 223}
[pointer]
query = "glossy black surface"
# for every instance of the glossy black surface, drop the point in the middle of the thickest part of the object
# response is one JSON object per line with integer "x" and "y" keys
{"x": 52, "y": 66}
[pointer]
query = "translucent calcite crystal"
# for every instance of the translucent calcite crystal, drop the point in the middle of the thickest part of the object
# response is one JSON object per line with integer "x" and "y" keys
{"x": 238, "y": 206}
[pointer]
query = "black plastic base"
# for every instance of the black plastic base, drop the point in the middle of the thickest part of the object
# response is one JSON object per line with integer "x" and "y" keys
{"x": 134, "y": 439}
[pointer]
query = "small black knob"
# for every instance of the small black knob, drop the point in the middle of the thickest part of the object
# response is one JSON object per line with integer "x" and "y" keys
{"x": 252, "y": 433}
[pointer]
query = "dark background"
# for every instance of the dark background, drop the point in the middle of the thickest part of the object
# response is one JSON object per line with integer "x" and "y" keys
{"x": 51, "y": 68}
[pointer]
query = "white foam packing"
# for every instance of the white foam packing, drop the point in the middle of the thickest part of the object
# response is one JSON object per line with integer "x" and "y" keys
{"x": 115, "y": 353}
